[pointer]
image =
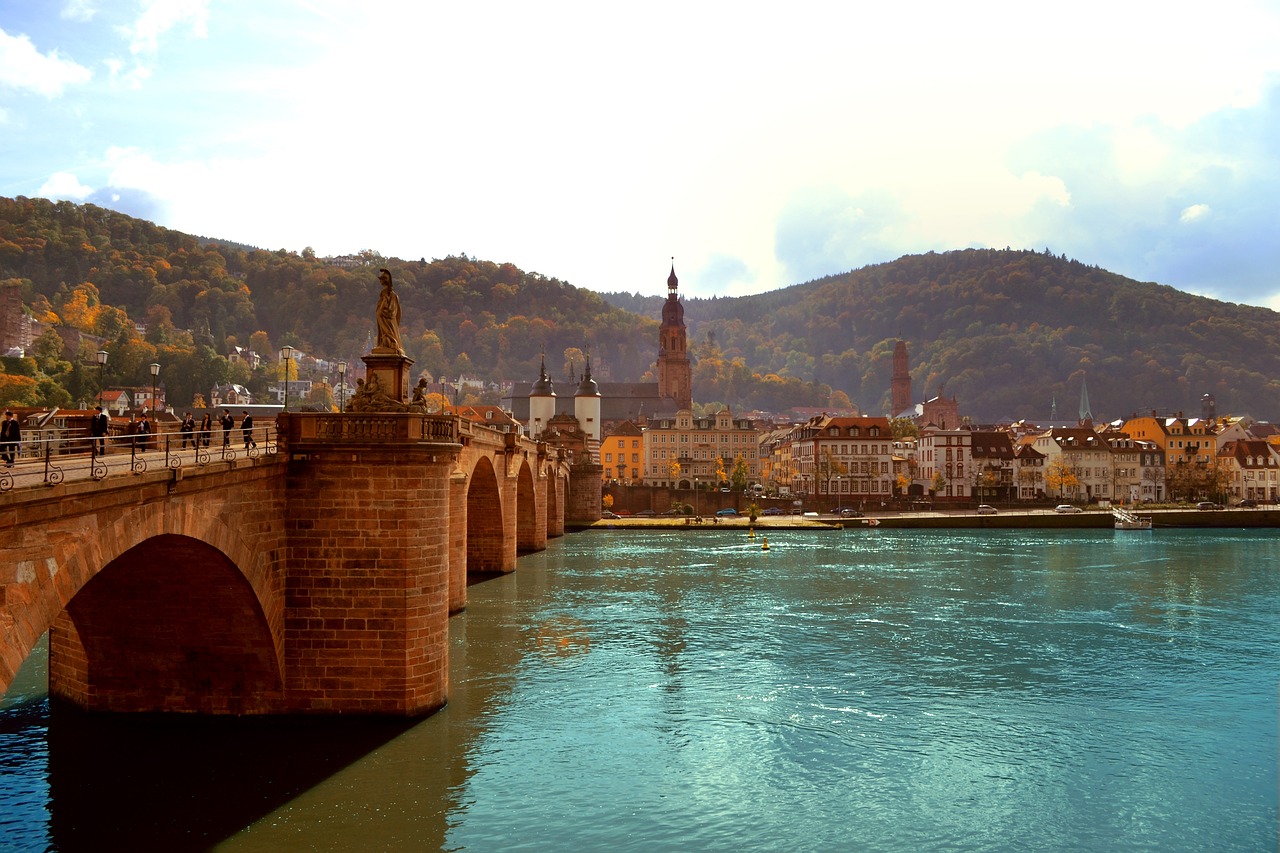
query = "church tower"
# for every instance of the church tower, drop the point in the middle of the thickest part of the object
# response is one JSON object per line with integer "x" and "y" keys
{"x": 675, "y": 376}
{"x": 900, "y": 384}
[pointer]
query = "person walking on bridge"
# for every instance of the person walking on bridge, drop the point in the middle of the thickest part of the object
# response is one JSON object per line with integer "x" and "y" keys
{"x": 10, "y": 438}
{"x": 227, "y": 423}
{"x": 206, "y": 429}
{"x": 188, "y": 430}
{"x": 246, "y": 426}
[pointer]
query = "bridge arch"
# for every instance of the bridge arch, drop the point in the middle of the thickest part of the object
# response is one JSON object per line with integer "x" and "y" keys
{"x": 554, "y": 499}
{"x": 57, "y": 562}
{"x": 169, "y": 625}
{"x": 486, "y": 539}
{"x": 528, "y": 537}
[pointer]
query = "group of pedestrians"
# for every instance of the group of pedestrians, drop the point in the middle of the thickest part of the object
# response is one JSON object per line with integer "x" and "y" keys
{"x": 194, "y": 436}
{"x": 138, "y": 430}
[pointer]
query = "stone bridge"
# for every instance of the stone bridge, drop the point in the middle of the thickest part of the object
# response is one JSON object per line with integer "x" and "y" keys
{"x": 318, "y": 579}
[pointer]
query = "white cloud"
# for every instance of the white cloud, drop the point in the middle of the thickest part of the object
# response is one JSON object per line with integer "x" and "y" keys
{"x": 1194, "y": 213}
{"x": 64, "y": 185}
{"x": 160, "y": 16}
{"x": 81, "y": 11}
{"x": 24, "y": 67}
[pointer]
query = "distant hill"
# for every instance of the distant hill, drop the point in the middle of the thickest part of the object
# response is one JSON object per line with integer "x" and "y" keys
{"x": 1007, "y": 333}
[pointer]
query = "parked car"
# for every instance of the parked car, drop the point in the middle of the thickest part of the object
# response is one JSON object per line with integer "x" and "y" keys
{"x": 847, "y": 512}
{"x": 1067, "y": 508}
{"x": 674, "y": 511}
{"x": 645, "y": 513}
{"x": 608, "y": 513}
{"x": 726, "y": 512}
{"x": 987, "y": 509}
{"x": 1248, "y": 503}
{"x": 773, "y": 510}
{"x": 1208, "y": 505}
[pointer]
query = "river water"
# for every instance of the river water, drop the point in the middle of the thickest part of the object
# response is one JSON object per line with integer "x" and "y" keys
{"x": 859, "y": 690}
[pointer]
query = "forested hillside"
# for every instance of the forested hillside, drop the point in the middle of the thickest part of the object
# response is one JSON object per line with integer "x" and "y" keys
{"x": 99, "y": 271}
{"x": 1006, "y": 332}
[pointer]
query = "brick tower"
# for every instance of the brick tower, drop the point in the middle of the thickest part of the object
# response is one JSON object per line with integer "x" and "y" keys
{"x": 900, "y": 385}
{"x": 675, "y": 375}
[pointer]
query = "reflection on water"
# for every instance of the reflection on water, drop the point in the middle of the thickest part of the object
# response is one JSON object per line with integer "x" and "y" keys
{"x": 887, "y": 690}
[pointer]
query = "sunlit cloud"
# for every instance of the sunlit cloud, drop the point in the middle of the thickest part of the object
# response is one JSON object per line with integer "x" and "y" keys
{"x": 80, "y": 11}
{"x": 22, "y": 66}
{"x": 160, "y": 16}
{"x": 1193, "y": 213}
{"x": 64, "y": 185}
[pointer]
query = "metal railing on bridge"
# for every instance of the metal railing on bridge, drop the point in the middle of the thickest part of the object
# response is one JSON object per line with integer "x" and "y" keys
{"x": 51, "y": 459}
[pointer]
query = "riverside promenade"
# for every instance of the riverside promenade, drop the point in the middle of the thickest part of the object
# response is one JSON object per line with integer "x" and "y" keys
{"x": 1006, "y": 519}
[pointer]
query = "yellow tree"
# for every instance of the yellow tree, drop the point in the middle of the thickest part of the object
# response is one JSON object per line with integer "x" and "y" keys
{"x": 1060, "y": 477}
{"x": 674, "y": 469}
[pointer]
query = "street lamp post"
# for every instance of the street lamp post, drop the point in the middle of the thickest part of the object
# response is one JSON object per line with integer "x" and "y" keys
{"x": 155, "y": 372}
{"x": 102, "y": 363}
{"x": 696, "y": 514}
{"x": 342, "y": 386}
{"x": 286, "y": 355}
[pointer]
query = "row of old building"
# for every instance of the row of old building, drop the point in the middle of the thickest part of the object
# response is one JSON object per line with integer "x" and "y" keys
{"x": 858, "y": 460}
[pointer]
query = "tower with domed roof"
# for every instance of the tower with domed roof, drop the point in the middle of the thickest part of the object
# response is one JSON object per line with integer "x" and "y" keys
{"x": 675, "y": 375}
{"x": 542, "y": 402}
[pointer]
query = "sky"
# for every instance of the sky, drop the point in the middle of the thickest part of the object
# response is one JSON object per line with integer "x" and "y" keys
{"x": 758, "y": 144}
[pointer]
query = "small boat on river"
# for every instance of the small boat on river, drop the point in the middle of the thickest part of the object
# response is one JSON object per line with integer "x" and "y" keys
{"x": 1126, "y": 520}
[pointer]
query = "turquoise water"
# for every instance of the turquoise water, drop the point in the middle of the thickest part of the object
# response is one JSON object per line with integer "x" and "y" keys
{"x": 864, "y": 690}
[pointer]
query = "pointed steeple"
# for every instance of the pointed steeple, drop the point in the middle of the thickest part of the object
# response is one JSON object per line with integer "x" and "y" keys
{"x": 588, "y": 387}
{"x": 1085, "y": 413}
{"x": 543, "y": 387}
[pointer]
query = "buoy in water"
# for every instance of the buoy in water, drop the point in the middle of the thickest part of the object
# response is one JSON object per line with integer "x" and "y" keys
{"x": 751, "y": 533}
{"x": 765, "y": 546}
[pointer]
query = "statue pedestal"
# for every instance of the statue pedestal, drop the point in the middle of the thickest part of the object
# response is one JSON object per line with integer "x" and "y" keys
{"x": 392, "y": 372}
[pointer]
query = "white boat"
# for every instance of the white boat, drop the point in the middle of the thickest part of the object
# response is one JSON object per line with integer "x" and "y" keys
{"x": 1126, "y": 520}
